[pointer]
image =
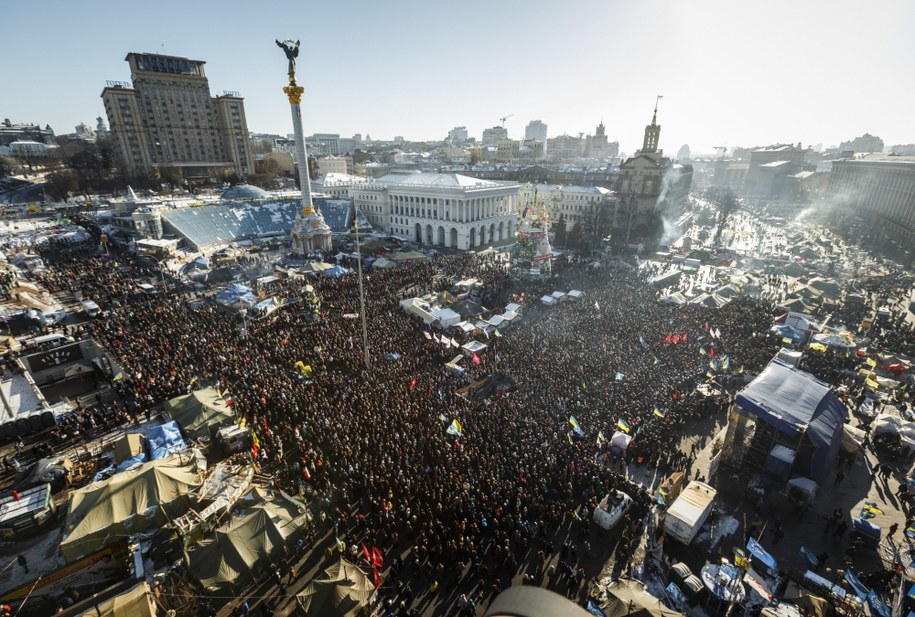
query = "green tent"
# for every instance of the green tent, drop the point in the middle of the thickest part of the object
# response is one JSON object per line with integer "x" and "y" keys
{"x": 129, "y": 502}
{"x": 241, "y": 550}
{"x": 200, "y": 413}
{"x": 343, "y": 591}
{"x": 135, "y": 602}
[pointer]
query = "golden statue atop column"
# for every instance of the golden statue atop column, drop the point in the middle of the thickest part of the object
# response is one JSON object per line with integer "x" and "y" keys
{"x": 310, "y": 232}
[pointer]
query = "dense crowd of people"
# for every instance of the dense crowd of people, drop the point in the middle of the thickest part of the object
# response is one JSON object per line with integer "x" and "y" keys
{"x": 369, "y": 445}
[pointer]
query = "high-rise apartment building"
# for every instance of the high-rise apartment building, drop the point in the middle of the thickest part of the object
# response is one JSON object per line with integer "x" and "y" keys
{"x": 535, "y": 130}
{"x": 458, "y": 135}
{"x": 493, "y": 135}
{"x": 168, "y": 119}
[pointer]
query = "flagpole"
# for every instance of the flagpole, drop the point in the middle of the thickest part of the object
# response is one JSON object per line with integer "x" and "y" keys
{"x": 365, "y": 331}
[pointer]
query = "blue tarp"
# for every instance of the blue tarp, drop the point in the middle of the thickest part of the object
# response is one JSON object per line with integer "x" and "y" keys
{"x": 796, "y": 335}
{"x": 165, "y": 440}
{"x": 235, "y": 292}
{"x": 133, "y": 461}
{"x": 795, "y": 402}
{"x": 761, "y": 554}
{"x": 335, "y": 272}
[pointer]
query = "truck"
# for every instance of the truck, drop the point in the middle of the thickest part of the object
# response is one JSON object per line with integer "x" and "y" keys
{"x": 689, "y": 511}
{"x": 611, "y": 509}
{"x": 91, "y": 308}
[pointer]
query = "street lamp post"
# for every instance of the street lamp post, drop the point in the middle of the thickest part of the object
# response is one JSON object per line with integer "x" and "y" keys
{"x": 164, "y": 280}
{"x": 365, "y": 332}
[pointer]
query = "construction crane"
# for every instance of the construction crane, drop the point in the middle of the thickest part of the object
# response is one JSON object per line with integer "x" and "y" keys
{"x": 723, "y": 149}
{"x": 503, "y": 119}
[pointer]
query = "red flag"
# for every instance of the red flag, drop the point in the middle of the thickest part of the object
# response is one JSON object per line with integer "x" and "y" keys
{"x": 413, "y": 383}
{"x": 667, "y": 338}
{"x": 684, "y": 337}
{"x": 306, "y": 474}
{"x": 706, "y": 325}
{"x": 676, "y": 339}
{"x": 365, "y": 551}
{"x": 377, "y": 557}
{"x": 476, "y": 358}
{"x": 711, "y": 352}
{"x": 376, "y": 576}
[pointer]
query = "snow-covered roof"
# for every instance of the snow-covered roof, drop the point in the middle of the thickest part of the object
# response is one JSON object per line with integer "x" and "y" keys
{"x": 438, "y": 180}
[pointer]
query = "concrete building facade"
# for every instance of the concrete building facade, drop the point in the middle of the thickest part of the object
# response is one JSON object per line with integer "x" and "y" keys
{"x": 881, "y": 188}
{"x": 447, "y": 210}
{"x": 585, "y": 206}
{"x": 494, "y": 135}
{"x": 169, "y": 119}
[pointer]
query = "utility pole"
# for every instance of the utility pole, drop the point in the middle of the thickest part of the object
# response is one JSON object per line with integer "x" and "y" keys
{"x": 365, "y": 331}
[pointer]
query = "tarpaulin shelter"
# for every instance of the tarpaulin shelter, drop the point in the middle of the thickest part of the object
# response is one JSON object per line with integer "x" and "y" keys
{"x": 165, "y": 440}
{"x": 343, "y": 591}
{"x": 629, "y": 598}
{"x": 835, "y": 340}
{"x": 785, "y": 409}
{"x": 200, "y": 413}
{"x": 241, "y": 550}
{"x": 790, "y": 332}
{"x": 335, "y": 272}
{"x": 134, "y": 501}
{"x": 798, "y": 305}
{"x": 135, "y": 602}
{"x": 828, "y": 287}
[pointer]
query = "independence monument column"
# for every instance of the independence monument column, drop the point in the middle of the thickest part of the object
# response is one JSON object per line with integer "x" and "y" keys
{"x": 310, "y": 232}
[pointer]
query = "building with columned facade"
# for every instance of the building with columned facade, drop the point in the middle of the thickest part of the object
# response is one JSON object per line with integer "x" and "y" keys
{"x": 447, "y": 210}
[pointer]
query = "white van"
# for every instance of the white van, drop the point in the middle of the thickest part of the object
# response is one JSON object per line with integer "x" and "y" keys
{"x": 49, "y": 341}
{"x": 91, "y": 308}
{"x": 611, "y": 509}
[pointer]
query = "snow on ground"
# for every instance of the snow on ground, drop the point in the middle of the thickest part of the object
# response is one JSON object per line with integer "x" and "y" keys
{"x": 722, "y": 528}
{"x": 41, "y": 556}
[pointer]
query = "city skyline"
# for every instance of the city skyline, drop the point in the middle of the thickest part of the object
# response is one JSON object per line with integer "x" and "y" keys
{"x": 815, "y": 73}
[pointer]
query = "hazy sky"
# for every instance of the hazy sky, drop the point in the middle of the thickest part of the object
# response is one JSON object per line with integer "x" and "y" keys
{"x": 731, "y": 72}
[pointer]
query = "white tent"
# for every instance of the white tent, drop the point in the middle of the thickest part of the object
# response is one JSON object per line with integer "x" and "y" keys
{"x": 465, "y": 326}
{"x": 548, "y": 300}
{"x": 620, "y": 440}
{"x": 575, "y": 294}
{"x": 446, "y": 316}
{"x": 473, "y": 347}
{"x": 559, "y": 295}
{"x": 496, "y": 321}
{"x": 513, "y": 307}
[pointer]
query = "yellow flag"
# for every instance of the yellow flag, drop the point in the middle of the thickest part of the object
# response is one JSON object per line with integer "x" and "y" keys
{"x": 871, "y": 362}
{"x": 872, "y": 384}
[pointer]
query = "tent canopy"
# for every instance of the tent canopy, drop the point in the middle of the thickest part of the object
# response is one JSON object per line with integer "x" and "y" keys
{"x": 245, "y": 546}
{"x": 793, "y": 401}
{"x": 796, "y": 403}
{"x": 135, "y": 602}
{"x": 165, "y": 440}
{"x": 343, "y": 591}
{"x": 630, "y": 598}
{"x": 127, "y": 502}
{"x": 200, "y": 413}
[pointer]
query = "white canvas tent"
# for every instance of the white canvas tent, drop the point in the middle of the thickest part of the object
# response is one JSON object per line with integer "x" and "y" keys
{"x": 446, "y": 317}
{"x": 473, "y": 347}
